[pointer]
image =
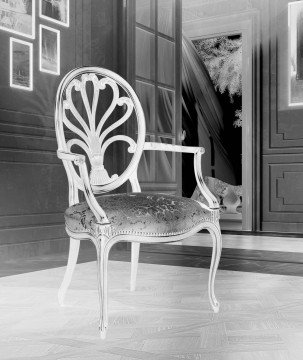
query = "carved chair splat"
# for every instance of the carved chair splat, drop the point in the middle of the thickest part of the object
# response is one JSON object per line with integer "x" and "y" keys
{"x": 146, "y": 217}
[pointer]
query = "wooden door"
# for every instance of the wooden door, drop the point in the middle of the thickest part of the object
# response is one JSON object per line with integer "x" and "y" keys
{"x": 154, "y": 69}
{"x": 282, "y": 157}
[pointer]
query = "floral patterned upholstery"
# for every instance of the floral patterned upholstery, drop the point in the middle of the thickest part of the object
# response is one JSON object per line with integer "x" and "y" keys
{"x": 145, "y": 214}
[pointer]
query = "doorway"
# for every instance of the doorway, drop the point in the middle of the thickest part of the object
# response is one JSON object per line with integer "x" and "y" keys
{"x": 222, "y": 57}
{"x": 234, "y": 40}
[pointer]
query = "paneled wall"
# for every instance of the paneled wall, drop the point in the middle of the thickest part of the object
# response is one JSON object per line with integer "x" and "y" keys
{"x": 33, "y": 189}
{"x": 282, "y": 131}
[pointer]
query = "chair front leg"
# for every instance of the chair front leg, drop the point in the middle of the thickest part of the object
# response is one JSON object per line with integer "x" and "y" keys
{"x": 135, "y": 250}
{"x": 74, "y": 246}
{"x": 215, "y": 259}
{"x": 102, "y": 263}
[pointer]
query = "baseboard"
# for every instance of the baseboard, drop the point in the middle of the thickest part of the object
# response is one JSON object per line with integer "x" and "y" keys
{"x": 43, "y": 247}
{"x": 258, "y": 233}
{"x": 35, "y": 248}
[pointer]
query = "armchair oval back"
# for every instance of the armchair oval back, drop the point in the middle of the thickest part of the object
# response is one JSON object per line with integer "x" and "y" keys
{"x": 82, "y": 127}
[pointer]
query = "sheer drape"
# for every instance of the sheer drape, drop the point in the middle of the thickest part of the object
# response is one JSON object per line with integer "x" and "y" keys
{"x": 202, "y": 119}
{"x": 199, "y": 97}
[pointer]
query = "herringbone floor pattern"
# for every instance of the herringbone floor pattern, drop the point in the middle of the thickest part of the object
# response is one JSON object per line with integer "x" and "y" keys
{"x": 167, "y": 318}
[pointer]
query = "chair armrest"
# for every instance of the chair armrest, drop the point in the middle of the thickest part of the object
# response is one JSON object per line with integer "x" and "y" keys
{"x": 198, "y": 152}
{"x": 174, "y": 148}
{"x": 79, "y": 160}
{"x": 69, "y": 156}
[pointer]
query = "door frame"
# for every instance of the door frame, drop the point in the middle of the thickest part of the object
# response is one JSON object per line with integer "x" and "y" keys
{"x": 243, "y": 24}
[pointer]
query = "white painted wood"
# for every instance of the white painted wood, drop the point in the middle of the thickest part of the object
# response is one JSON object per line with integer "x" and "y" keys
{"x": 211, "y": 199}
{"x": 197, "y": 151}
{"x": 134, "y": 264}
{"x": 135, "y": 247}
{"x": 93, "y": 137}
{"x": 215, "y": 259}
{"x": 102, "y": 260}
{"x": 174, "y": 148}
{"x": 74, "y": 246}
{"x": 94, "y": 142}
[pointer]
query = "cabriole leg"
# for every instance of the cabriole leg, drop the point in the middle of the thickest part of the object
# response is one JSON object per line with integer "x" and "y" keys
{"x": 74, "y": 246}
{"x": 135, "y": 250}
{"x": 102, "y": 262}
{"x": 216, "y": 254}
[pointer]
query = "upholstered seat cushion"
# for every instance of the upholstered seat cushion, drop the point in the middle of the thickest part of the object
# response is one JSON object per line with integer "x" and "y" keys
{"x": 144, "y": 214}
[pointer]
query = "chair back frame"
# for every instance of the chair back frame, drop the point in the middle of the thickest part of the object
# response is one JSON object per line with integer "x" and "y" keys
{"x": 91, "y": 136}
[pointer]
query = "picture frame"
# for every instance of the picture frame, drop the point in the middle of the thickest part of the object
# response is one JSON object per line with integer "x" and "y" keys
{"x": 295, "y": 53}
{"x": 21, "y": 64}
{"x": 49, "y": 50}
{"x": 18, "y": 17}
{"x": 56, "y": 11}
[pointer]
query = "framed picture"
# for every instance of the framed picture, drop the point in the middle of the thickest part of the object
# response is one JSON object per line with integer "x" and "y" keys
{"x": 295, "y": 53}
{"x": 55, "y": 10}
{"x": 21, "y": 64}
{"x": 18, "y": 17}
{"x": 49, "y": 50}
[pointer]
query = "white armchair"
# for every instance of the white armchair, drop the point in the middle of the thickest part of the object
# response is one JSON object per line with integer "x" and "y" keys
{"x": 110, "y": 218}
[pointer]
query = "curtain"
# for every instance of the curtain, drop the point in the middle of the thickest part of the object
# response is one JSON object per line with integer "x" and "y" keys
{"x": 199, "y": 97}
{"x": 202, "y": 119}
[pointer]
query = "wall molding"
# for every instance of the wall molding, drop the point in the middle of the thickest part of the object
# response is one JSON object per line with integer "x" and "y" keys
{"x": 37, "y": 248}
{"x": 27, "y": 220}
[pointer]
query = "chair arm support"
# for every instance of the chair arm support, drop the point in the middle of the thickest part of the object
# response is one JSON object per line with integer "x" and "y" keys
{"x": 174, "y": 148}
{"x": 198, "y": 152}
{"x": 79, "y": 160}
{"x": 210, "y": 198}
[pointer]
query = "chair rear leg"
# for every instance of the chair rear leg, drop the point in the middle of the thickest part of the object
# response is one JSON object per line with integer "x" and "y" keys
{"x": 134, "y": 264}
{"x": 74, "y": 246}
{"x": 216, "y": 254}
{"x": 102, "y": 263}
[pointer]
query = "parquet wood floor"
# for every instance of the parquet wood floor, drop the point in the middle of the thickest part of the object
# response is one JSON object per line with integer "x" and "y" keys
{"x": 249, "y": 242}
{"x": 167, "y": 318}
{"x": 265, "y": 254}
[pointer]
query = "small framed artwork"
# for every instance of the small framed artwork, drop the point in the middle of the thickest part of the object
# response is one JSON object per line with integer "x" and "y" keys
{"x": 21, "y": 64}
{"x": 55, "y": 10}
{"x": 49, "y": 50}
{"x": 295, "y": 53}
{"x": 18, "y": 17}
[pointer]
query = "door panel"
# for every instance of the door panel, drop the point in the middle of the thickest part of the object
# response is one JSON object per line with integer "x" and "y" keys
{"x": 282, "y": 206}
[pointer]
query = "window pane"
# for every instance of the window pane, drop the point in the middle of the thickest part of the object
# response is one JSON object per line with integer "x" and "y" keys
{"x": 145, "y": 50}
{"x": 146, "y": 168}
{"x": 145, "y": 13}
{"x": 166, "y": 62}
{"x": 165, "y": 163}
{"x": 166, "y": 17}
{"x": 165, "y": 111}
{"x": 146, "y": 95}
